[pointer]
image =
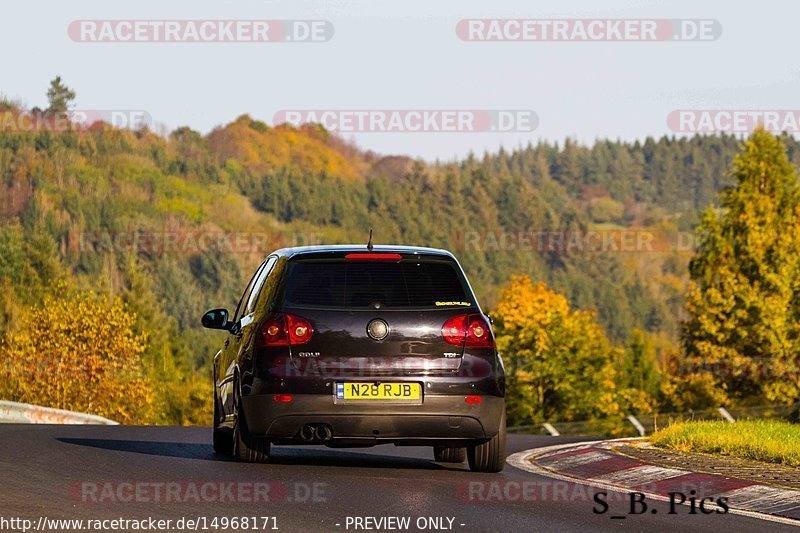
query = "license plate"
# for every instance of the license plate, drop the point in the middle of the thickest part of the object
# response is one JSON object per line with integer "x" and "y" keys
{"x": 378, "y": 391}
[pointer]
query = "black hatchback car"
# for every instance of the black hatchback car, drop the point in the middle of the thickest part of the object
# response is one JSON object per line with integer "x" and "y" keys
{"x": 348, "y": 346}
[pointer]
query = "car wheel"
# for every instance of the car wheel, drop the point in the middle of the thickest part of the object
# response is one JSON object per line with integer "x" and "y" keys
{"x": 248, "y": 448}
{"x": 223, "y": 437}
{"x": 448, "y": 454}
{"x": 489, "y": 456}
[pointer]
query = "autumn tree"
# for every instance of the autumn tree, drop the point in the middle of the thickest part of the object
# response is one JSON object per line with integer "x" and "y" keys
{"x": 559, "y": 363}
{"x": 77, "y": 352}
{"x": 742, "y": 337}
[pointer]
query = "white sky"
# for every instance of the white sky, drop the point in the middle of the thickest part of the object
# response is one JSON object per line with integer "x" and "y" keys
{"x": 405, "y": 55}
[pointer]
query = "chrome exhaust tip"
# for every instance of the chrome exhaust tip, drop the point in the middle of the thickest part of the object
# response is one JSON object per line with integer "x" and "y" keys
{"x": 307, "y": 433}
{"x": 323, "y": 433}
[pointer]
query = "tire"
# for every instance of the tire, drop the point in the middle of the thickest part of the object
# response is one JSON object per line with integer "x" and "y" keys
{"x": 247, "y": 448}
{"x": 491, "y": 455}
{"x": 223, "y": 437}
{"x": 447, "y": 454}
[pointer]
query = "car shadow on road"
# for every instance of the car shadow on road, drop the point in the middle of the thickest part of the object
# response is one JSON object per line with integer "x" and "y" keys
{"x": 282, "y": 455}
{"x": 317, "y": 456}
{"x": 184, "y": 450}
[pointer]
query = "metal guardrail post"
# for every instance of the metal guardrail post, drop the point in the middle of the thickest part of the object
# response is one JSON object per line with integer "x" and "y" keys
{"x": 550, "y": 429}
{"x": 638, "y": 425}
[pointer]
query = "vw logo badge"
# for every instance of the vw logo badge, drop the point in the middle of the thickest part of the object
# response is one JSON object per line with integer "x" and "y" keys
{"x": 378, "y": 329}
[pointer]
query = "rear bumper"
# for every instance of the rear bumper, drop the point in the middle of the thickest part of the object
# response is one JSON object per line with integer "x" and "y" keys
{"x": 438, "y": 418}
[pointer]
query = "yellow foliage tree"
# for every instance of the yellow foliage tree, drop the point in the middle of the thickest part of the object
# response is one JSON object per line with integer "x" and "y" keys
{"x": 77, "y": 352}
{"x": 742, "y": 336}
{"x": 263, "y": 150}
{"x": 559, "y": 363}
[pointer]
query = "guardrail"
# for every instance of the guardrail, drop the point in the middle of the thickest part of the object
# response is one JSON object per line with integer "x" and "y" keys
{"x": 24, "y": 413}
{"x": 641, "y": 425}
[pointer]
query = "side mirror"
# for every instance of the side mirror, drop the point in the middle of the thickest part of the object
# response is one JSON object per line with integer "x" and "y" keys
{"x": 489, "y": 318}
{"x": 216, "y": 319}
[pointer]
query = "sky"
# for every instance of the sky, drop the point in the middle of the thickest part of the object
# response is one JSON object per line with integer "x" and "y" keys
{"x": 407, "y": 55}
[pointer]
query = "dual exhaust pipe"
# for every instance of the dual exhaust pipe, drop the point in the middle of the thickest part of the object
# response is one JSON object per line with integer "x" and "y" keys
{"x": 316, "y": 433}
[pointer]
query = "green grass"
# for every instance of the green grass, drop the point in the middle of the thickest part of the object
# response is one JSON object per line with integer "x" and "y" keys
{"x": 770, "y": 441}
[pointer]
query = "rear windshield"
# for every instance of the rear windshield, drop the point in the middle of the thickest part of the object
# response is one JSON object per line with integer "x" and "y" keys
{"x": 340, "y": 284}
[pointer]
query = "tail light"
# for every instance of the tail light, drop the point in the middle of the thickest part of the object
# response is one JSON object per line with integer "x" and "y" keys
{"x": 283, "y": 329}
{"x": 454, "y": 330}
{"x": 479, "y": 334}
{"x": 285, "y": 398}
{"x": 300, "y": 330}
{"x": 470, "y": 331}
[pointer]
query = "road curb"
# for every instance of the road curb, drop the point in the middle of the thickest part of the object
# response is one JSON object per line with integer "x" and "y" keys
{"x": 595, "y": 464}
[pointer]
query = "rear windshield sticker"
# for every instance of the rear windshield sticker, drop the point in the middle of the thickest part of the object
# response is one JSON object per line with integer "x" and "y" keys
{"x": 442, "y": 304}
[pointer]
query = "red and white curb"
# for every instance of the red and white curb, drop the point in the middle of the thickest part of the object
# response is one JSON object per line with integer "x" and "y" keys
{"x": 595, "y": 465}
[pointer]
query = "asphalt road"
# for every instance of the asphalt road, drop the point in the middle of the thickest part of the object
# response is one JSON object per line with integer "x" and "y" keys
{"x": 110, "y": 472}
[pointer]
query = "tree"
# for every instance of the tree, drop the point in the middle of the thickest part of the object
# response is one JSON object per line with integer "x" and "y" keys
{"x": 639, "y": 376}
{"x": 59, "y": 96}
{"x": 77, "y": 352}
{"x": 559, "y": 363}
{"x": 742, "y": 337}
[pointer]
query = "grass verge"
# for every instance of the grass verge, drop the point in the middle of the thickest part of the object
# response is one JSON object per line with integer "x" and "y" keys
{"x": 770, "y": 441}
